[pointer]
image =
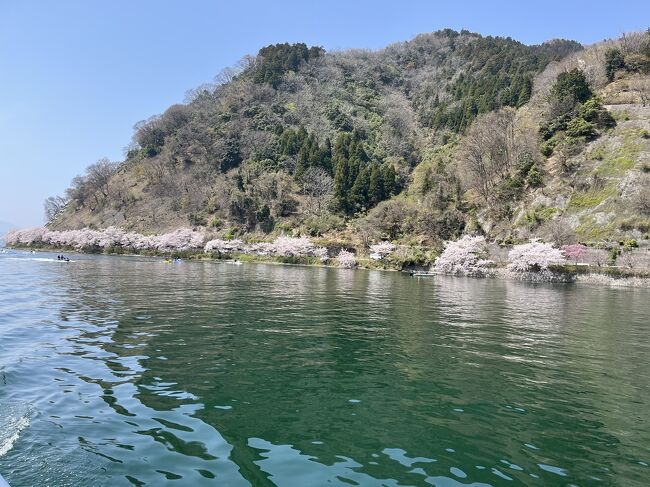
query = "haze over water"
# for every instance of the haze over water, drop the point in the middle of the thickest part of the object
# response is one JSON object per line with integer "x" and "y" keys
{"x": 128, "y": 371}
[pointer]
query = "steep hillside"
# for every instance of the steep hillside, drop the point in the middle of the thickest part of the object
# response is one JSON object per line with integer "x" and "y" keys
{"x": 421, "y": 141}
{"x": 596, "y": 182}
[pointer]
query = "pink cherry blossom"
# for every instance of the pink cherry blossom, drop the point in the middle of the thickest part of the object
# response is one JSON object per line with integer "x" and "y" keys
{"x": 575, "y": 252}
{"x": 381, "y": 250}
{"x": 534, "y": 256}
{"x": 465, "y": 256}
{"x": 346, "y": 259}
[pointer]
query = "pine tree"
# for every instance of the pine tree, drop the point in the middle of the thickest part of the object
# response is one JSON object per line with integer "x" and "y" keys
{"x": 390, "y": 180}
{"x": 524, "y": 92}
{"x": 326, "y": 156}
{"x": 341, "y": 175}
{"x": 341, "y": 146}
{"x": 376, "y": 192}
{"x": 300, "y": 168}
{"x": 357, "y": 152}
{"x": 354, "y": 167}
{"x": 359, "y": 191}
{"x": 614, "y": 61}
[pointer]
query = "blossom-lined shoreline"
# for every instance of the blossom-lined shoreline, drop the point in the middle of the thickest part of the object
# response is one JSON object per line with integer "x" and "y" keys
{"x": 468, "y": 256}
{"x": 181, "y": 240}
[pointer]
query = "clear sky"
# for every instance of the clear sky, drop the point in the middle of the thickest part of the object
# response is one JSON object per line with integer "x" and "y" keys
{"x": 77, "y": 74}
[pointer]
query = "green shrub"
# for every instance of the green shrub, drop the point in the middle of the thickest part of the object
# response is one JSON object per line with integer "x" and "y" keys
{"x": 547, "y": 147}
{"x": 635, "y": 223}
{"x": 539, "y": 215}
{"x": 579, "y": 127}
{"x": 316, "y": 226}
{"x": 629, "y": 243}
{"x": 535, "y": 179}
{"x": 613, "y": 254}
{"x": 197, "y": 219}
{"x": 614, "y": 61}
{"x": 572, "y": 84}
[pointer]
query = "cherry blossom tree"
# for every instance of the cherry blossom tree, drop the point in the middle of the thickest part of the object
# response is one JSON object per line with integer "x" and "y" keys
{"x": 224, "y": 246}
{"x": 27, "y": 236}
{"x": 180, "y": 240}
{"x": 183, "y": 239}
{"x": 381, "y": 250}
{"x": 346, "y": 259}
{"x": 534, "y": 256}
{"x": 292, "y": 246}
{"x": 466, "y": 256}
{"x": 321, "y": 253}
{"x": 575, "y": 252}
{"x": 111, "y": 237}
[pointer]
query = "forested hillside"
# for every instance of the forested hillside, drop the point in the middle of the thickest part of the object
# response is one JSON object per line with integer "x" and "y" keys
{"x": 416, "y": 143}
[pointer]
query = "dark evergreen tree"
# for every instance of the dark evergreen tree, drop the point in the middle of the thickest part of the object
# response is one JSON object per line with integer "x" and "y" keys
{"x": 390, "y": 180}
{"x": 572, "y": 85}
{"x": 326, "y": 156}
{"x": 275, "y": 60}
{"x": 359, "y": 191}
{"x": 614, "y": 61}
{"x": 232, "y": 157}
{"x": 376, "y": 191}
{"x": 341, "y": 177}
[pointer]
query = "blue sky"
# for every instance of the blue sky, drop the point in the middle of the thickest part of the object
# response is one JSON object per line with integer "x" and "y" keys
{"x": 77, "y": 75}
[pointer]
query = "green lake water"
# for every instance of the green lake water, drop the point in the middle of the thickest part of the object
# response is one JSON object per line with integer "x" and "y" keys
{"x": 129, "y": 371}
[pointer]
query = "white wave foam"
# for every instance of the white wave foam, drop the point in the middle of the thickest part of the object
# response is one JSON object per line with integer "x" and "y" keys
{"x": 39, "y": 259}
{"x": 11, "y": 432}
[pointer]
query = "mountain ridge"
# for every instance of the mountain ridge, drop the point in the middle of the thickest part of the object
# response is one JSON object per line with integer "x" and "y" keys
{"x": 367, "y": 145}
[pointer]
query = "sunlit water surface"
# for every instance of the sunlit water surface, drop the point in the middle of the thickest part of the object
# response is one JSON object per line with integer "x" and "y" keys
{"x": 124, "y": 370}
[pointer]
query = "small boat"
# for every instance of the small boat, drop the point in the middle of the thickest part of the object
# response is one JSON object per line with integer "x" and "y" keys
{"x": 421, "y": 274}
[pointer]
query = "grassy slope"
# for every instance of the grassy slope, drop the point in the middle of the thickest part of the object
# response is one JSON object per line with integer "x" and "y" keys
{"x": 596, "y": 200}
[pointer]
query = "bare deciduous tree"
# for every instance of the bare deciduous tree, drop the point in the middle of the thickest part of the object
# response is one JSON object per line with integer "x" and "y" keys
{"x": 641, "y": 87}
{"x": 99, "y": 174}
{"x": 641, "y": 199}
{"x": 558, "y": 231}
{"x": 318, "y": 186}
{"x": 491, "y": 149}
{"x": 53, "y": 206}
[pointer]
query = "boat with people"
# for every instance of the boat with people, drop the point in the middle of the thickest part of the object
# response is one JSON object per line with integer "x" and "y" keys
{"x": 421, "y": 274}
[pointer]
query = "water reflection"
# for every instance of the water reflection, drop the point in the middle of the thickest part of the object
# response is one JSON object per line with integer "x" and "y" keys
{"x": 275, "y": 375}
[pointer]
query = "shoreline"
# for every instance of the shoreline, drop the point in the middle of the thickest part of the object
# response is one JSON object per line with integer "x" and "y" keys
{"x": 568, "y": 274}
